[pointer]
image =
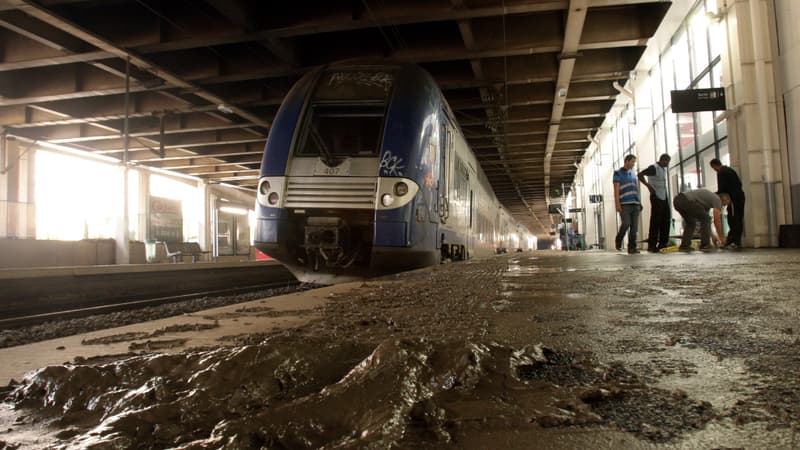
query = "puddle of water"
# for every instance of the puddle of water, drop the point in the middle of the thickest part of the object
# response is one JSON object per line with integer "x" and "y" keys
{"x": 531, "y": 294}
{"x": 523, "y": 269}
{"x": 502, "y": 305}
{"x": 710, "y": 379}
{"x": 662, "y": 319}
{"x": 529, "y": 269}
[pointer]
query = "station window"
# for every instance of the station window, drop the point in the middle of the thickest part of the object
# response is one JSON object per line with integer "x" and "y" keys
{"x": 233, "y": 229}
{"x": 709, "y": 177}
{"x": 70, "y": 205}
{"x": 191, "y": 203}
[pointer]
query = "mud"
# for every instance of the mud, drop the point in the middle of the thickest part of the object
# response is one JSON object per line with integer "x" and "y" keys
{"x": 71, "y": 327}
{"x": 125, "y": 337}
{"x": 527, "y": 351}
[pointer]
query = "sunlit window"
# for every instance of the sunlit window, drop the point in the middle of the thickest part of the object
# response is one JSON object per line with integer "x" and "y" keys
{"x": 667, "y": 75}
{"x": 698, "y": 25}
{"x": 680, "y": 52}
{"x": 656, "y": 93}
{"x": 716, "y": 31}
{"x": 691, "y": 179}
{"x": 191, "y": 203}
{"x": 671, "y": 123}
{"x": 76, "y": 198}
{"x": 686, "y": 133}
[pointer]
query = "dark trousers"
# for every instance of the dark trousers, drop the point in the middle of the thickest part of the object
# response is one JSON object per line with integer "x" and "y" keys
{"x": 629, "y": 220}
{"x": 736, "y": 218}
{"x": 693, "y": 213}
{"x": 658, "y": 235}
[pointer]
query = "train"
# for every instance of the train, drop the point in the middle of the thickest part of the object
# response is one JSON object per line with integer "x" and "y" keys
{"x": 366, "y": 172}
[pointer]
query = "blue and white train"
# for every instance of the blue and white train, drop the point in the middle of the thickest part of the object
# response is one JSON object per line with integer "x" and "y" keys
{"x": 366, "y": 172}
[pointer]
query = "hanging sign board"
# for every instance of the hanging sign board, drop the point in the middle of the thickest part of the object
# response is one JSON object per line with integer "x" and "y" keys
{"x": 694, "y": 100}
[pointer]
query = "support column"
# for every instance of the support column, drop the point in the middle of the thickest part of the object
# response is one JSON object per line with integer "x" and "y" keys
{"x": 787, "y": 16}
{"x": 17, "y": 193}
{"x": 3, "y": 186}
{"x": 144, "y": 206}
{"x": 204, "y": 236}
{"x": 122, "y": 236}
{"x": 753, "y": 127}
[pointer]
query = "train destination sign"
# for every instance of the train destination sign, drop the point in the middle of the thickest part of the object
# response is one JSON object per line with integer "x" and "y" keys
{"x": 694, "y": 100}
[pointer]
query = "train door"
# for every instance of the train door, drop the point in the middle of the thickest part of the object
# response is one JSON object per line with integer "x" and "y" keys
{"x": 459, "y": 197}
{"x": 496, "y": 231}
{"x": 441, "y": 182}
{"x": 446, "y": 157}
{"x": 470, "y": 230}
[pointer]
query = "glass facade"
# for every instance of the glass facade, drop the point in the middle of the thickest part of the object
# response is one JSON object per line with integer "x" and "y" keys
{"x": 692, "y": 61}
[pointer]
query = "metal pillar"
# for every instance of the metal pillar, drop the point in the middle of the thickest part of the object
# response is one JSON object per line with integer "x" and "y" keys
{"x": 123, "y": 234}
{"x": 759, "y": 33}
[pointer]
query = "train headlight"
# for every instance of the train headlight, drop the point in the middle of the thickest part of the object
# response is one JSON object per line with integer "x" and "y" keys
{"x": 273, "y": 198}
{"x": 264, "y": 187}
{"x": 394, "y": 192}
{"x": 400, "y": 189}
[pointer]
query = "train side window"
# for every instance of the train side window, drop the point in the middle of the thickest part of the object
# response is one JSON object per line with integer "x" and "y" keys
{"x": 470, "y": 209}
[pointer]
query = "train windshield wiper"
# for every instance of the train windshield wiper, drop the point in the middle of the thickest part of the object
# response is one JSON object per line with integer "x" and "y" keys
{"x": 325, "y": 152}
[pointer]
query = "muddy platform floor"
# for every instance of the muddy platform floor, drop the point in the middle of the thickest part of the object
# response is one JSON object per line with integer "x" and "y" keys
{"x": 530, "y": 350}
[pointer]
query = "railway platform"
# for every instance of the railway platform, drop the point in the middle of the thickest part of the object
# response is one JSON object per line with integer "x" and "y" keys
{"x": 47, "y": 290}
{"x": 530, "y": 350}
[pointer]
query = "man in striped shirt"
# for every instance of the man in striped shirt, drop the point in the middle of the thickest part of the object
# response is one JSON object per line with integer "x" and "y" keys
{"x": 626, "y": 196}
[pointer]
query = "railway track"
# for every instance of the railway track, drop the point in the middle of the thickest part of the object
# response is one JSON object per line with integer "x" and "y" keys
{"x": 34, "y": 316}
{"x": 33, "y": 296}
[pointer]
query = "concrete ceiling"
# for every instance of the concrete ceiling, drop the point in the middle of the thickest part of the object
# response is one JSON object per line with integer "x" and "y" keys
{"x": 529, "y": 80}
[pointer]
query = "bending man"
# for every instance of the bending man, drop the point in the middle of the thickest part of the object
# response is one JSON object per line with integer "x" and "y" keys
{"x": 693, "y": 206}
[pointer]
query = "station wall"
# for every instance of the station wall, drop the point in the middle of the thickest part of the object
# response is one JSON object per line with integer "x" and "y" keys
{"x": 19, "y": 253}
{"x": 756, "y": 62}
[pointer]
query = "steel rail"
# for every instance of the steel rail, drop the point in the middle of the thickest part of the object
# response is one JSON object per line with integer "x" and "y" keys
{"x": 34, "y": 319}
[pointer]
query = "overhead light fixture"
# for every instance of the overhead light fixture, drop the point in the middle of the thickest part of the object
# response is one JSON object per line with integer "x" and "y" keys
{"x": 234, "y": 210}
{"x": 224, "y": 108}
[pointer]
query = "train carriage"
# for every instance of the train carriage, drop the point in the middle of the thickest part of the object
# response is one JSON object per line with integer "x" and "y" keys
{"x": 365, "y": 172}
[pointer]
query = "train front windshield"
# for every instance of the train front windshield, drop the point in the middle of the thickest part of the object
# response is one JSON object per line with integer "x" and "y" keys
{"x": 346, "y": 114}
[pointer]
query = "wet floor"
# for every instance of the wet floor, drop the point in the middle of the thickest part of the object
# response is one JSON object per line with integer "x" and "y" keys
{"x": 532, "y": 350}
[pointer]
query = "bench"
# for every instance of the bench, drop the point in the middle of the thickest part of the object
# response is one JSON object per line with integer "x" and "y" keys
{"x": 177, "y": 250}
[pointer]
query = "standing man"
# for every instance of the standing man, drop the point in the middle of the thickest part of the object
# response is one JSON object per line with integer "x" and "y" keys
{"x": 728, "y": 182}
{"x": 658, "y": 235}
{"x": 626, "y": 196}
{"x": 693, "y": 207}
